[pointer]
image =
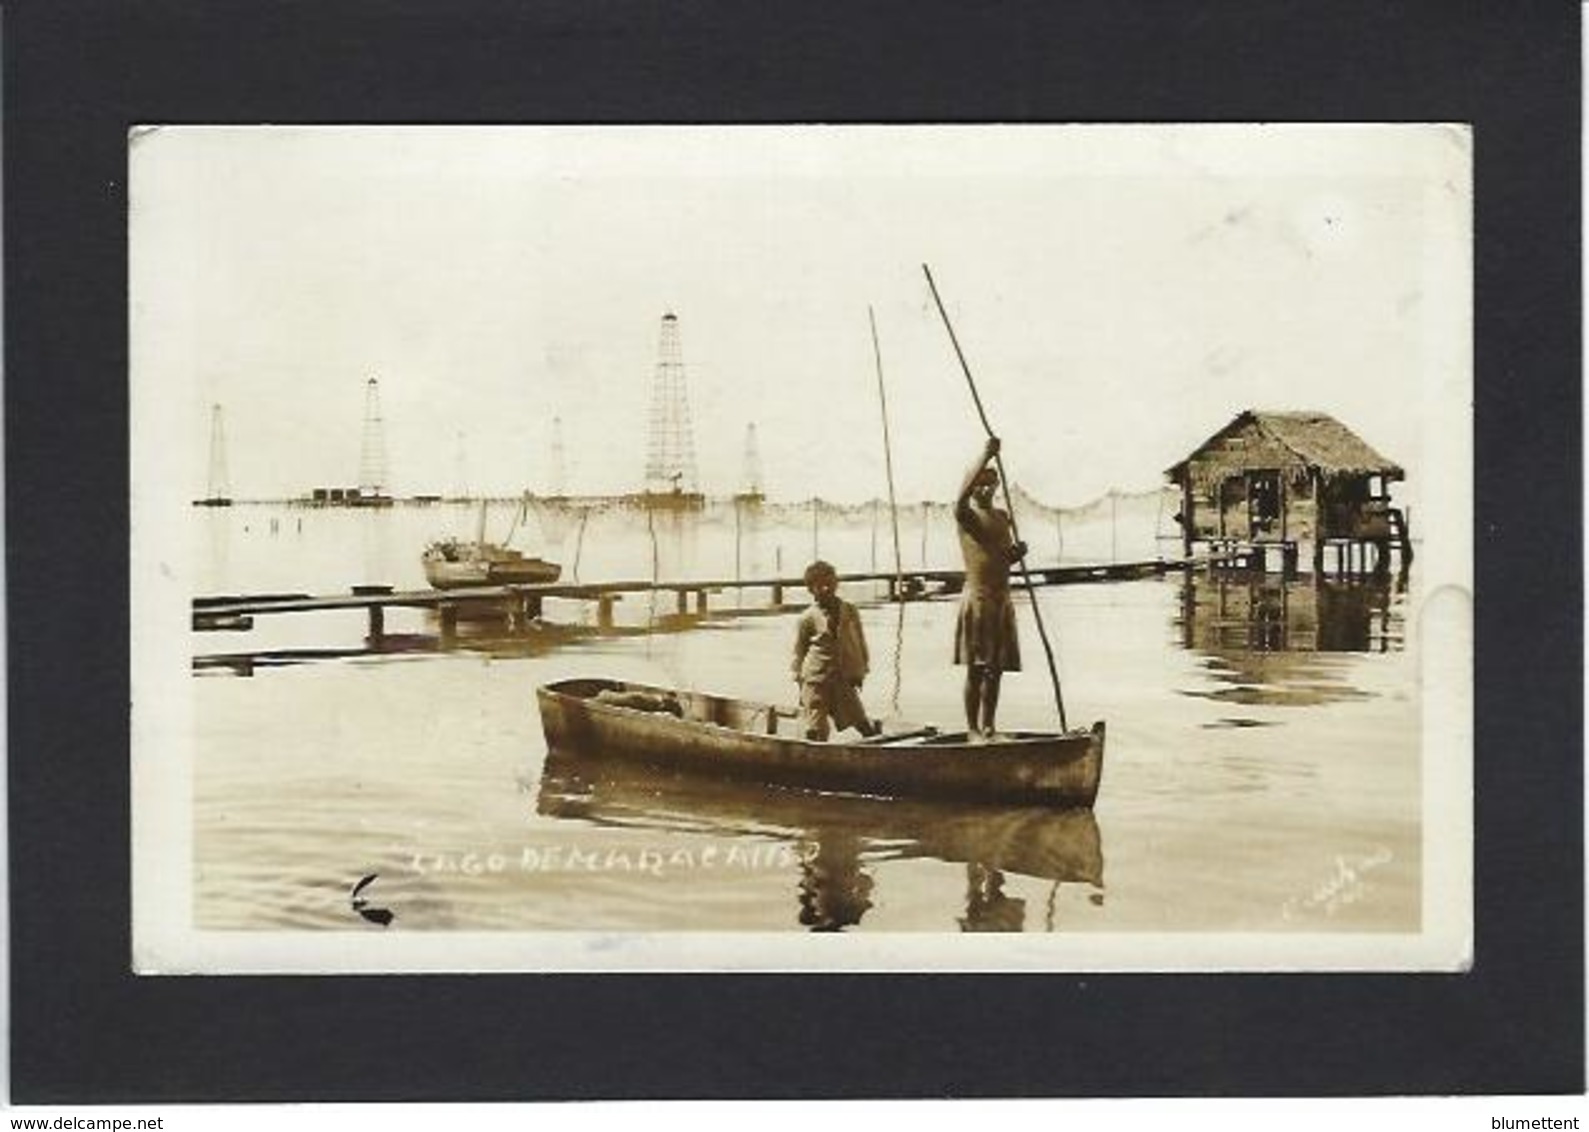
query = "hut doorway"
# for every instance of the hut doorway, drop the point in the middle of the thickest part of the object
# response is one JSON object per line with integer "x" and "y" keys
{"x": 1263, "y": 503}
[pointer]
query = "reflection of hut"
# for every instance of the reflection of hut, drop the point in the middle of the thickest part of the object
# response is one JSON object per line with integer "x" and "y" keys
{"x": 1223, "y": 613}
{"x": 1285, "y": 481}
{"x": 1264, "y": 637}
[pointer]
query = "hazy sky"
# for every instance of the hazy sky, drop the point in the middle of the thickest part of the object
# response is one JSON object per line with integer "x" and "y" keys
{"x": 1120, "y": 292}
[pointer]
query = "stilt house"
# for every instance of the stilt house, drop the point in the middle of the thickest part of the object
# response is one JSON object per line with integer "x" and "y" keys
{"x": 1292, "y": 482}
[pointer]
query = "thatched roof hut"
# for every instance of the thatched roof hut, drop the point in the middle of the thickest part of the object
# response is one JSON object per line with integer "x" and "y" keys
{"x": 1306, "y": 438}
{"x": 1292, "y": 479}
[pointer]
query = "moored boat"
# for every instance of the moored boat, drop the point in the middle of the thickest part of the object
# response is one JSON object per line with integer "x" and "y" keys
{"x": 454, "y": 563}
{"x": 596, "y": 718}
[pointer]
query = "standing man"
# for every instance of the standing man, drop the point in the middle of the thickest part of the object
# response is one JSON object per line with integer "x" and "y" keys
{"x": 985, "y": 638}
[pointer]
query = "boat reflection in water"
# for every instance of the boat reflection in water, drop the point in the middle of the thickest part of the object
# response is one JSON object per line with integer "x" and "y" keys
{"x": 841, "y": 841}
{"x": 1265, "y": 637}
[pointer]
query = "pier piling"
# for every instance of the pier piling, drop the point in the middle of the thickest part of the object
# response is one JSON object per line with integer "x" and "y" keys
{"x": 376, "y": 610}
{"x": 523, "y": 608}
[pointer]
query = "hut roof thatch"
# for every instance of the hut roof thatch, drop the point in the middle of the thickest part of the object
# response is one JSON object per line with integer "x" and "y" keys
{"x": 1318, "y": 439}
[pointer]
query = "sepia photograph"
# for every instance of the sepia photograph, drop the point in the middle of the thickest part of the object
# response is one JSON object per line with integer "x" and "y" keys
{"x": 801, "y": 548}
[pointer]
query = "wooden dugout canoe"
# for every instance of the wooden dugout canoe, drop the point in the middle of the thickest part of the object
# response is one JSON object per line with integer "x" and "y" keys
{"x": 740, "y": 738}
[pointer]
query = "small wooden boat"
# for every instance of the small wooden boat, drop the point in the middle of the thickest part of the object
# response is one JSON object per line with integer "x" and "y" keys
{"x": 592, "y": 718}
{"x": 453, "y": 564}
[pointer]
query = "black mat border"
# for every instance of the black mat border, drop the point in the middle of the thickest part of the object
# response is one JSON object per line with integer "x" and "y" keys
{"x": 77, "y": 74}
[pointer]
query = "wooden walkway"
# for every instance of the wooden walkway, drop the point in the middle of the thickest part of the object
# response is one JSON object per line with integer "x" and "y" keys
{"x": 518, "y": 604}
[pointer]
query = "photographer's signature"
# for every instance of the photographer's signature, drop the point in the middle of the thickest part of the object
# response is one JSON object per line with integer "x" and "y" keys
{"x": 1346, "y": 884}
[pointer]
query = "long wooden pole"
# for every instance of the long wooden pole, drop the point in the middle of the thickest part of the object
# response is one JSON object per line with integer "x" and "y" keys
{"x": 893, "y": 512}
{"x": 1004, "y": 484}
{"x": 888, "y": 455}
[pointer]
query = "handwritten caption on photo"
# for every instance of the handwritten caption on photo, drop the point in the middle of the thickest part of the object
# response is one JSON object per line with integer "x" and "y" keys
{"x": 649, "y": 861}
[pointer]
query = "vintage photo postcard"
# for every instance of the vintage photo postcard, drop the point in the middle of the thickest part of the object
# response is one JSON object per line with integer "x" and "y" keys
{"x": 801, "y": 548}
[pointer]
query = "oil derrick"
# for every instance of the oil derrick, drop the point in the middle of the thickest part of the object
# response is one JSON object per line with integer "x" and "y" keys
{"x": 670, "y": 453}
{"x": 217, "y": 490}
{"x": 372, "y": 459}
{"x": 751, "y": 471}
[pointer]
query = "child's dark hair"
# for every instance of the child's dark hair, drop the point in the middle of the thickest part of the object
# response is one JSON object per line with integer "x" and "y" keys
{"x": 820, "y": 569}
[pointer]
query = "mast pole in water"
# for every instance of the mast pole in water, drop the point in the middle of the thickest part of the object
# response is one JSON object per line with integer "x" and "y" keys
{"x": 1004, "y": 483}
{"x": 888, "y": 456}
{"x": 893, "y": 514}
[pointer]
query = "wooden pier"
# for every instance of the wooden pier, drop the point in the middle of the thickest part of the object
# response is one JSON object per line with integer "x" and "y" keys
{"x": 518, "y": 605}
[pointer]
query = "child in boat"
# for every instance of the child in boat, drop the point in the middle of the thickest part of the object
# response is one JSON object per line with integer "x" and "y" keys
{"x": 830, "y": 659}
{"x": 985, "y": 638}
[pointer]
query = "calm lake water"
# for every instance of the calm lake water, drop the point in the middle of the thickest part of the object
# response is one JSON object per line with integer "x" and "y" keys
{"x": 1262, "y": 772}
